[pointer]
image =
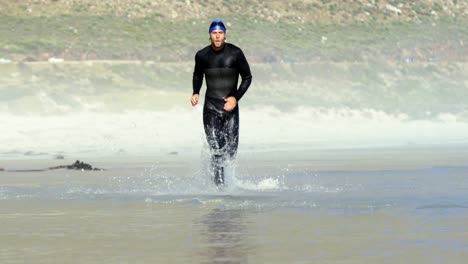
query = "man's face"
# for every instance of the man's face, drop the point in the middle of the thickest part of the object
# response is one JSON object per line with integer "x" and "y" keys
{"x": 217, "y": 38}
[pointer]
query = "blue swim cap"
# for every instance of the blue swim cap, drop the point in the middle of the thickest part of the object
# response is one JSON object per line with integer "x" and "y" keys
{"x": 217, "y": 25}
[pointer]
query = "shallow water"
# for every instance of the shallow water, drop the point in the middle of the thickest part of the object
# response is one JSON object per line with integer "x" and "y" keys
{"x": 348, "y": 206}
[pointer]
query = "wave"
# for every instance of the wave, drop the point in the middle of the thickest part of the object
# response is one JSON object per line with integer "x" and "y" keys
{"x": 180, "y": 131}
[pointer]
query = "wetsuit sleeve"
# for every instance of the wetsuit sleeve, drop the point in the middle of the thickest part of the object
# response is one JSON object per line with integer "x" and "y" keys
{"x": 244, "y": 71}
{"x": 197, "y": 79}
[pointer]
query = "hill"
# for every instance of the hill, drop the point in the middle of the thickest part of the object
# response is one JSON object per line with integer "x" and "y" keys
{"x": 273, "y": 10}
{"x": 268, "y": 31}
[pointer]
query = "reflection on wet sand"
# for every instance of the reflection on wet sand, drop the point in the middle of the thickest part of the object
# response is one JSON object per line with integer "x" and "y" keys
{"x": 224, "y": 236}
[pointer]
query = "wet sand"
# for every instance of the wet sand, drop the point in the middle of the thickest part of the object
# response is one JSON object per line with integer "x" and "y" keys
{"x": 361, "y": 206}
{"x": 121, "y": 232}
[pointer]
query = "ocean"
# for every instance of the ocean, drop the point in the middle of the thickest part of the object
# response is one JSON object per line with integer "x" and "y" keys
{"x": 338, "y": 163}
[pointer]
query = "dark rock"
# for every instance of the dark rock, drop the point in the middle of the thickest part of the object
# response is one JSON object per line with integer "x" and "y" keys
{"x": 78, "y": 165}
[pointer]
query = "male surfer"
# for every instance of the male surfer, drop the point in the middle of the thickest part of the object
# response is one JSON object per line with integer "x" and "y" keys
{"x": 221, "y": 63}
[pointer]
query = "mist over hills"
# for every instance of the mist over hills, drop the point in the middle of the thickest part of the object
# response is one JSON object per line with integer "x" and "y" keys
{"x": 269, "y": 31}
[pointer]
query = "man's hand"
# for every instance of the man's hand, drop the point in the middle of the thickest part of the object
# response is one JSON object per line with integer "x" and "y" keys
{"x": 231, "y": 103}
{"x": 195, "y": 99}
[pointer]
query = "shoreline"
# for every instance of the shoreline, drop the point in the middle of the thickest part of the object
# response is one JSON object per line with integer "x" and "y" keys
{"x": 332, "y": 159}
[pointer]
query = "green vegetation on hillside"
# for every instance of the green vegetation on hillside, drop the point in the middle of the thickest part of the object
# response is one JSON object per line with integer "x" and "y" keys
{"x": 268, "y": 31}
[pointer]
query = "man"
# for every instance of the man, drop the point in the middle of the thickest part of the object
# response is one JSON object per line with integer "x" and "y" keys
{"x": 221, "y": 63}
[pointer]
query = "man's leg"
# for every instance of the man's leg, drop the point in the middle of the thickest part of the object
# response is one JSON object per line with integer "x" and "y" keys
{"x": 231, "y": 128}
{"x": 229, "y": 131}
{"x": 213, "y": 124}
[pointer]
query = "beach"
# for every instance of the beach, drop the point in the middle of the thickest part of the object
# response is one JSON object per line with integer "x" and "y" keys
{"x": 404, "y": 205}
{"x": 353, "y": 146}
{"x": 329, "y": 170}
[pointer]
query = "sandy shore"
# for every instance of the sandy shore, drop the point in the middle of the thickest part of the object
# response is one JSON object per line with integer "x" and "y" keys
{"x": 118, "y": 232}
{"x": 328, "y": 206}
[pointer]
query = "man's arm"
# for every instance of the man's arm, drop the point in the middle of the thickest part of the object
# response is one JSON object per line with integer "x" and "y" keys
{"x": 244, "y": 71}
{"x": 197, "y": 80}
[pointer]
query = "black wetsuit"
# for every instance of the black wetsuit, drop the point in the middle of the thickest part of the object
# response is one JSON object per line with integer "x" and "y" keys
{"x": 221, "y": 69}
